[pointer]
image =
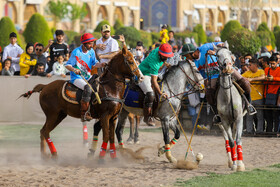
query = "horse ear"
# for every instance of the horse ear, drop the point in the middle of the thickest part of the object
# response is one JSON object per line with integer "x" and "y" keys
{"x": 124, "y": 50}
{"x": 226, "y": 45}
{"x": 215, "y": 47}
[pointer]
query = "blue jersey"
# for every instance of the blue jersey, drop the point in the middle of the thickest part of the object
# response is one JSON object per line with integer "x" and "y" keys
{"x": 82, "y": 61}
{"x": 213, "y": 71}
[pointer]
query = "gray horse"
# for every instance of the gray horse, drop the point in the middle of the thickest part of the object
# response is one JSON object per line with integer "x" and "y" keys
{"x": 230, "y": 109}
{"x": 174, "y": 84}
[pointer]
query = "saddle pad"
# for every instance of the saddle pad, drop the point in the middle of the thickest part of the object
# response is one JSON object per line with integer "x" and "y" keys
{"x": 71, "y": 93}
{"x": 131, "y": 98}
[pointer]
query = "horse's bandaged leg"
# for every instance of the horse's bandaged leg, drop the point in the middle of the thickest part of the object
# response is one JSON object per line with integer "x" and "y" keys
{"x": 173, "y": 142}
{"x": 168, "y": 154}
{"x": 227, "y": 146}
{"x": 94, "y": 143}
{"x": 239, "y": 152}
{"x": 85, "y": 132}
{"x": 121, "y": 144}
{"x": 103, "y": 150}
{"x": 113, "y": 150}
{"x": 233, "y": 153}
{"x": 51, "y": 146}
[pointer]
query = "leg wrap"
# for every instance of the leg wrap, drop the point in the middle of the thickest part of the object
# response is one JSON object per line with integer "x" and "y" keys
{"x": 94, "y": 143}
{"x": 103, "y": 150}
{"x": 85, "y": 132}
{"x": 239, "y": 152}
{"x": 227, "y": 146}
{"x": 113, "y": 150}
{"x": 233, "y": 153}
{"x": 86, "y": 93}
{"x": 51, "y": 146}
{"x": 121, "y": 143}
{"x": 149, "y": 99}
{"x": 173, "y": 142}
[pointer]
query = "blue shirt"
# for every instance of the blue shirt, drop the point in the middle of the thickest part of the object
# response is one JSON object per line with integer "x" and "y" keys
{"x": 82, "y": 61}
{"x": 212, "y": 62}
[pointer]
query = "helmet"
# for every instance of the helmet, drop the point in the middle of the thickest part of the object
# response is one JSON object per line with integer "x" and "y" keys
{"x": 165, "y": 50}
{"x": 87, "y": 37}
{"x": 188, "y": 48}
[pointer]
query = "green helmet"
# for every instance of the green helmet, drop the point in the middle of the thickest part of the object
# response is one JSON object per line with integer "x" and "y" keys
{"x": 188, "y": 48}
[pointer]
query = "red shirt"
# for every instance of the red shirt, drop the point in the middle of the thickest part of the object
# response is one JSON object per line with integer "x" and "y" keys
{"x": 270, "y": 87}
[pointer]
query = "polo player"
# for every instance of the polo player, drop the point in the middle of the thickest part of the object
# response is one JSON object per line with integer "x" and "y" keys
{"x": 81, "y": 62}
{"x": 210, "y": 71}
{"x": 150, "y": 67}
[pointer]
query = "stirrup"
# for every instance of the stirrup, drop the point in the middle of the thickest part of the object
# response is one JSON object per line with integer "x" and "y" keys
{"x": 217, "y": 119}
{"x": 251, "y": 110}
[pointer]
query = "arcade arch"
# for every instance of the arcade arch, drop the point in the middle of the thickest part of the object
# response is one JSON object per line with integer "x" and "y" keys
{"x": 28, "y": 12}
{"x": 101, "y": 14}
{"x": 118, "y": 14}
{"x": 209, "y": 20}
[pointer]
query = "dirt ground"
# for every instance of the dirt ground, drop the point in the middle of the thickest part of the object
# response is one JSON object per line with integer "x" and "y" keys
{"x": 21, "y": 165}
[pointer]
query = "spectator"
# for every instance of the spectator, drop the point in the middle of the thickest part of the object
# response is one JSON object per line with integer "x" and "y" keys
{"x": 27, "y": 59}
{"x": 164, "y": 38}
{"x": 106, "y": 46}
{"x": 263, "y": 62}
{"x": 171, "y": 40}
{"x": 59, "y": 68}
{"x": 1, "y": 67}
{"x": 57, "y": 48}
{"x": 255, "y": 74}
{"x": 139, "y": 57}
{"x": 13, "y": 52}
{"x": 39, "y": 48}
{"x": 271, "y": 92}
{"x": 7, "y": 70}
{"x": 39, "y": 71}
{"x": 264, "y": 52}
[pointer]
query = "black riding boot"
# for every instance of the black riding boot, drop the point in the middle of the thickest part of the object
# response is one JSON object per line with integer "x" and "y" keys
{"x": 85, "y": 113}
{"x": 148, "y": 104}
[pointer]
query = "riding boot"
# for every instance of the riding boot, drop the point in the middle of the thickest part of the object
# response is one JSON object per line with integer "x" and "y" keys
{"x": 148, "y": 116}
{"x": 85, "y": 113}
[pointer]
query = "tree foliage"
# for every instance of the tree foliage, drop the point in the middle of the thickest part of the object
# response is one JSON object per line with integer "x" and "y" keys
{"x": 6, "y": 27}
{"x": 37, "y": 30}
{"x": 118, "y": 24}
{"x": 131, "y": 34}
{"x": 98, "y": 27}
{"x": 202, "y": 37}
{"x": 243, "y": 41}
{"x": 58, "y": 9}
{"x": 229, "y": 28}
{"x": 264, "y": 37}
{"x": 77, "y": 12}
{"x": 146, "y": 38}
{"x": 276, "y": 28}
{"x": 263, "y": 27}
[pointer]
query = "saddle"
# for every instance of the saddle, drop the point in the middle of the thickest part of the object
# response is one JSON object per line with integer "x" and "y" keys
{"x": 73, "y": 94}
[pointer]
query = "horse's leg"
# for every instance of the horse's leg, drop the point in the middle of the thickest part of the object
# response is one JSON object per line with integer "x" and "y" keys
{"x": 104, "y": 120}
{"x": 85, "y": 134}
{"x": 50, "y": 124}
{"x": 136, "y": 134}
{"x": 131, "y": 131}
{"x": 239, "y": 127}
{"x": 112, "y": 138}
{"x": 227, "y": 146}
{"x": 165, "y": 130}
{"x": 96, "y": 129}
{"x": 120, "y": 126}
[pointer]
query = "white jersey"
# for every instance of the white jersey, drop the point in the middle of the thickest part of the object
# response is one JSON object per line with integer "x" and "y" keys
{"x": 111, "y": 46}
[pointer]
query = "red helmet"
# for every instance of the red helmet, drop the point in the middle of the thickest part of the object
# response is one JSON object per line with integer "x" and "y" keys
{"x": 165, "y": 50}
{"x": 87, "y": 37}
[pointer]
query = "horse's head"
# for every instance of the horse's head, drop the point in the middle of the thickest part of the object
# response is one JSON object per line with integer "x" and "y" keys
{"x": 225, "y": 58}
{"x": 130, "y": 68}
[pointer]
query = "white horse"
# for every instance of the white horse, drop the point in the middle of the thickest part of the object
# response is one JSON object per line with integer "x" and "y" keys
{"x": 230, "y": 109}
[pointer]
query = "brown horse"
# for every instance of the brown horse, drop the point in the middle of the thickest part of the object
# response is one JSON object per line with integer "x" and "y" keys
{"x": 111, "y": 91}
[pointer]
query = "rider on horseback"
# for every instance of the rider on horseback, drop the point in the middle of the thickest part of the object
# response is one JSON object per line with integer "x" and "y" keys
{"x": 80, "y": 63}
{"x": 150, "y": 67}
{"x": 210, "y": 70}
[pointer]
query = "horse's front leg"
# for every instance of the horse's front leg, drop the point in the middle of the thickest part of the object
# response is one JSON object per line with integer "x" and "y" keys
{"x": 96, "y": 129}
{"x": 131, "y": 131}
{"x": 104, "y": 120}
{"x": 165, "y": 131}
{"x": 120, "y": 126}
{"x": 112, "y": 137}
{"x": 239, "y": 128}
{"x": 136, "y": 134}
{"x": 228, "y": 149}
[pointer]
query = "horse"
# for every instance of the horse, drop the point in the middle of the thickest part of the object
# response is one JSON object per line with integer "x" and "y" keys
{"x": 173, "y": 84}
{"x": 230, "y": 109}
{"x": 133, "y": 132}
{"x": 111, "y": 91}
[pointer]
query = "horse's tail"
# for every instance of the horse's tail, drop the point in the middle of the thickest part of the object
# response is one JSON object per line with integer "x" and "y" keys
{"x": 37, "y": 88}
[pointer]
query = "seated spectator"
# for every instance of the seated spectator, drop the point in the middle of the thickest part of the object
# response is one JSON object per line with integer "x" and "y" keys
{"x": 255, "y": 74}
{"x": 7, "y": 69}
{"x": 27, "y": 59}
{"x": 13, "y": 52}
{"x": 39, "y": 71}
{"x": 271, "y": 91}
{"x": 59, "y": 68}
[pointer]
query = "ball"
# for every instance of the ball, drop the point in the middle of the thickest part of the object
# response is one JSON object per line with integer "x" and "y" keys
{"x": 199, "y": 156}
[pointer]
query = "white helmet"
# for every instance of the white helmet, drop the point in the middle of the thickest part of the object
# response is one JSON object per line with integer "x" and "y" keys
{"x": 217, "y": 39}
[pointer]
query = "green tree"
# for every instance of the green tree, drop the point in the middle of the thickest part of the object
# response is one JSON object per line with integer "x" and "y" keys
{"x": 98, "y": 27}
{"x": 58, "y": 9}
{"x": 202, "y": 38}
{"x": 37, "y": 30}
{"x": 277, "y": 38}
{"x": 77, "y": 11}
{"x": 229, "y": 28}
{"x": 276, "y": 28}
{"x": 118, "y": 24}
{"x": 169, "y": 28}
{"x": 131, "y": 34}
{"x": 146, "y": 38}
{"x": 243, "y": 41}
{"x": 263, "y": 27}
{"x": 6, "y": 27}
{"x": 264, "y": 37}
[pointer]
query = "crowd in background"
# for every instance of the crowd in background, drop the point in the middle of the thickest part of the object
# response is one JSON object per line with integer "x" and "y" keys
{"x": 262, "y": 69}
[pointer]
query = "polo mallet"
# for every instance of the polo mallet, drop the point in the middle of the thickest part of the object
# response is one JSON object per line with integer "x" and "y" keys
{"x": 96, "y": 93}
{"x": 189, "y": 146}
{"x": 194, "y": 130}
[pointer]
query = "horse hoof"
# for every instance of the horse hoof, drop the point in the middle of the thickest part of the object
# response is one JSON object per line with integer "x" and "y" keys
{"x": 54, "y": 157}
{"x": 137, "y": 142}
{"x": 172, "y": 160}
{"x": 230, "y": 164}
{"x": 129, "y": 142}
{"x": 240, "y": 166}
{"x": 85, "y": 143}
{"x": 101, "y": 161}
{"x": 90, "y": 154}
{"x": 234, "y": 168}
{"x": 161, "y": 151}
{"x": 115, "y": 159}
